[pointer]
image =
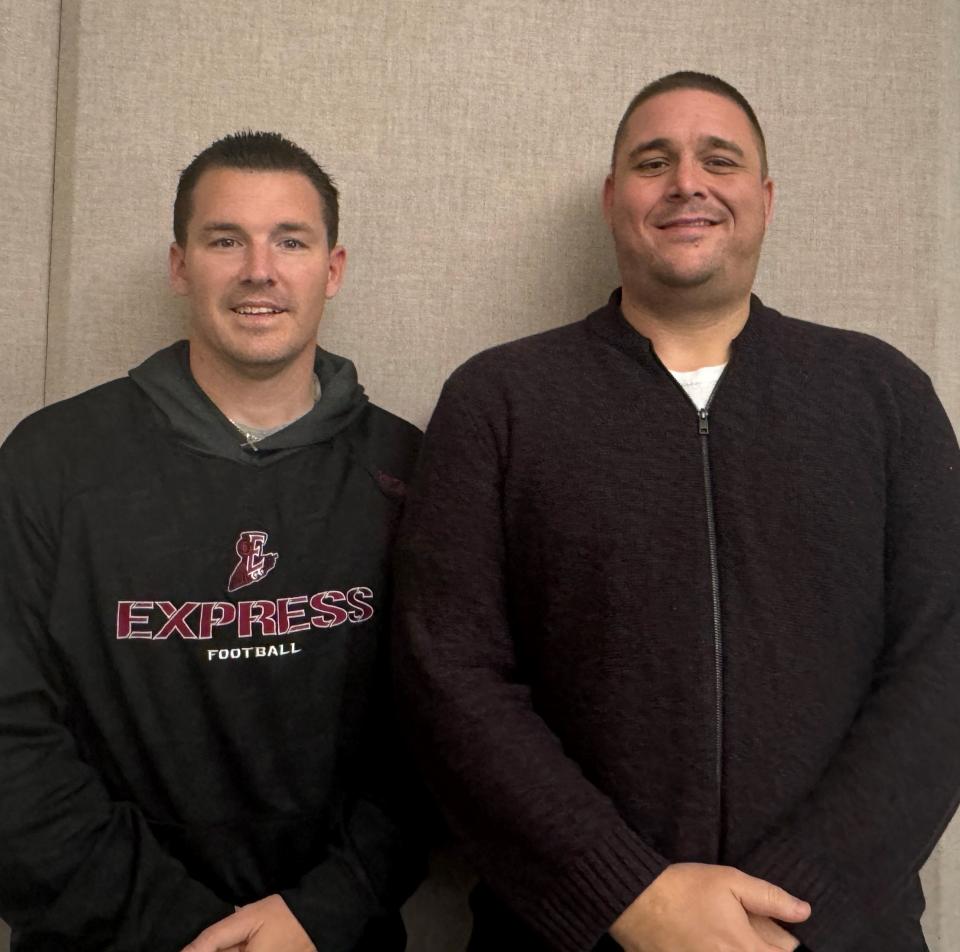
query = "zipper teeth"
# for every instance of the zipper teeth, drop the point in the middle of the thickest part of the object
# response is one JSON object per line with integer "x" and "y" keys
{"x": 717, "y": 628}
{"x": 703, "y": 430}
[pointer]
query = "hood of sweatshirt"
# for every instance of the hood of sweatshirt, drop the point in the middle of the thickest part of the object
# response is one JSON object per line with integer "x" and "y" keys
{"x": 167, "y": 381}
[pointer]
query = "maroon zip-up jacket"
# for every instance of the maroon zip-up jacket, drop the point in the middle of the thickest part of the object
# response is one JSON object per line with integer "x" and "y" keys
{"x": 631, "y": 634}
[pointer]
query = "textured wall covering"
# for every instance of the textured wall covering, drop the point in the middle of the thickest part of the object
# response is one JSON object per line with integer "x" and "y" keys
{"x": 29, "y": 35}
{"x": 28, "y": 99}
{"x": 942, "y": 873}
{"x": 470, "y": 141}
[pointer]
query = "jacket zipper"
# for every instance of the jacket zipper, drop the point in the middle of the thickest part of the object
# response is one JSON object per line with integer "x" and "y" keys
{"x": 703, "y": 429}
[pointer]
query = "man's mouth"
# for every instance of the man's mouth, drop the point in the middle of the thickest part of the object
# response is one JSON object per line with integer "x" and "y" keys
{"x": 694, "y": 222}
{"x": 257, "y": 309}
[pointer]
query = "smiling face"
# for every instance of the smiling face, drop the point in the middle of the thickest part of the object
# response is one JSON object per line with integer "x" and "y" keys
{"x": 257, "y": 270}
{"x": 687, "y": 201}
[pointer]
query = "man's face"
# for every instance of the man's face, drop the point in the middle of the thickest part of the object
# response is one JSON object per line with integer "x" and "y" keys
{"x": 686, "y": 200}
{"x": 256, "y": 269}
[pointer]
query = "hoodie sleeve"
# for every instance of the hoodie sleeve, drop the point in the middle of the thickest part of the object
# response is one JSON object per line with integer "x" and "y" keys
{"x": 888, "y": 794}
{"x": 77, "y": 870}
{"x": 373, "y": 864}
{"x": 541, "y": 834}
{"x": 376, "y": 856}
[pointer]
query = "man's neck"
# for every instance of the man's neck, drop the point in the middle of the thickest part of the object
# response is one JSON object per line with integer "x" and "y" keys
{"x": 255, "y": 397}
{"x": 688, "y": 336}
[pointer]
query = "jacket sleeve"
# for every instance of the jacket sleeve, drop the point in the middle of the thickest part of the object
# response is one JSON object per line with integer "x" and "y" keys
{"x": 542, "y": 836}
{"x": 889, "y": 792}
{"x": 77, "y": 870}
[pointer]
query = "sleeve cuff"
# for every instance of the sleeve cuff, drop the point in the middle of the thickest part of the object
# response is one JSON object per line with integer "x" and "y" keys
{"x": 333, "y": 906}
{"x": 593, "y": 892}
{"x": 837, "y": 911}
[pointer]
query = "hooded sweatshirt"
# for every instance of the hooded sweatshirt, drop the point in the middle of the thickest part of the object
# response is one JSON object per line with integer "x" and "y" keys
{"x": 193, "y": 697}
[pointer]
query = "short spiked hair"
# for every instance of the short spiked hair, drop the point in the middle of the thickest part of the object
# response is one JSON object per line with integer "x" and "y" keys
{"x": 255, "y": 152}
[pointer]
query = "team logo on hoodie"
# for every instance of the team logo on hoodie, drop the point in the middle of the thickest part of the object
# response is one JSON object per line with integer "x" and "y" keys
{"x": 160, "y": 619}
{"x": 255, "y": 564}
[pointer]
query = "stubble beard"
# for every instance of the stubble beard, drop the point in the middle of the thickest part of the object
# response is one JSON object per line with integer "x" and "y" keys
{"x": 676, "y": 280}
{"x": 658, "y": 275}
{"x": 265, "y": 361}
{"x": 254, "y": 354}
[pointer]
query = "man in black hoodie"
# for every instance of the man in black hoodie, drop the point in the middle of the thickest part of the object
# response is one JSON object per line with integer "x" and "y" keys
{"x": 194, "y": 738}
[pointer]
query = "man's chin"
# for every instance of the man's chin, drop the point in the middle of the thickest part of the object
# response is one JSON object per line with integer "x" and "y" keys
{"x": 678, "y": 279}
{"x": 261, "y": 361}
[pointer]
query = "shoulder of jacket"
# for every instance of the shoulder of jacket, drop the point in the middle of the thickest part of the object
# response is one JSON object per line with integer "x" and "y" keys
{"x": 844, "y": 348}
{"x": 554, "y": 346}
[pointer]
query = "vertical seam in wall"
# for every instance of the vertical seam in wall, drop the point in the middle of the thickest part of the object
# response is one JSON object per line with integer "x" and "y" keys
{"x": 53, "y": 198}
{"x": 948, "y": 283}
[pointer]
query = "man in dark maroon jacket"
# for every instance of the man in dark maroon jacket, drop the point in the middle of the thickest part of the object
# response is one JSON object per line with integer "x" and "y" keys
{"x": 679, "y": 623}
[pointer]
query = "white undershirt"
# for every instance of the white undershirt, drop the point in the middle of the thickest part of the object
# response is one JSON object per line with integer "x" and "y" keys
{"x": 699, "y": 383}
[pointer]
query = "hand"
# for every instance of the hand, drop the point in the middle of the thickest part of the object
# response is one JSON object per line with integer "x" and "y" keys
{"x": 691, "y": 906}
{"x": 264, "y": 926}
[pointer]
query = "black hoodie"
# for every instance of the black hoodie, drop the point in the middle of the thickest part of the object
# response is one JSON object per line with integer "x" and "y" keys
{"x": 192, "y": 687}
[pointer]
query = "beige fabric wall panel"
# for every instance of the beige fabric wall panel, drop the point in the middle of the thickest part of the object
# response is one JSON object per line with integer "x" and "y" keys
{"x": 941, "y": 878}
{"x": 29, "y": 35}
{"x": 946, "y": 203}
{"x": 28, "y": 99}
{"x": 470, "y": 142}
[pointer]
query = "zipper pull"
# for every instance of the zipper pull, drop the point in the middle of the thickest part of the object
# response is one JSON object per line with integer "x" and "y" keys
{"x": 704, "y": 427}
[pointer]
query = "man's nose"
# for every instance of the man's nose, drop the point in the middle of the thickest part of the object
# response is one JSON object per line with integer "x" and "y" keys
{"x": 259, "y": 264}
{"x": 688, "y": 180}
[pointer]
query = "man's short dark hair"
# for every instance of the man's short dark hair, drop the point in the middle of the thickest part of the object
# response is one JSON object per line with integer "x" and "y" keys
{"x": 687, "y": 79}
{"x": 255, "y": 152}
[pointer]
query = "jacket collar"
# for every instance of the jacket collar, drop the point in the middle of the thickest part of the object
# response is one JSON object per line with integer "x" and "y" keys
{"x": 609, "y": 324}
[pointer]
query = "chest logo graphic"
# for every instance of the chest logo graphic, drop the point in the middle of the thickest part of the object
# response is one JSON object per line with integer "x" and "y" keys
{"x": 255, "y": 564}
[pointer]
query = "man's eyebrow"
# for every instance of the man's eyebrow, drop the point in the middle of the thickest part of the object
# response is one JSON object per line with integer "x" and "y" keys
{"x": 711, "y": 142}
{"x": 283, "y": 227}
{"x": 220, "y": 226}
{"x": 715, "y": 142}
{"x": 288, "y": 226}
{"x": 648, "y": 146}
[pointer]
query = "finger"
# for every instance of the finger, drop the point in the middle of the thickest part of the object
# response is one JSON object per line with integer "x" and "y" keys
{"x": 205, "y": 944}
{"x": 764, "y": 899}
{"x": 786, "y": 944}
{"x": 223, "y": 936}
{"x": 771, "y": 932}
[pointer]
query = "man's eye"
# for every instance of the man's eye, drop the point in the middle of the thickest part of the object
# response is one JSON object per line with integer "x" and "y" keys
{"x": 224, "y": 243}
{"x": 292, "y": 243}
{"x": 720, "y": 162}
{"x": 652, "y": 165}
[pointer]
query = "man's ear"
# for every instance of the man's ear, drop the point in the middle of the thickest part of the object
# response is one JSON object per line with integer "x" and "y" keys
{"x": 337, "y": 268}
{"x": 177, "y": 270}
{"x": 607, "y": 198}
